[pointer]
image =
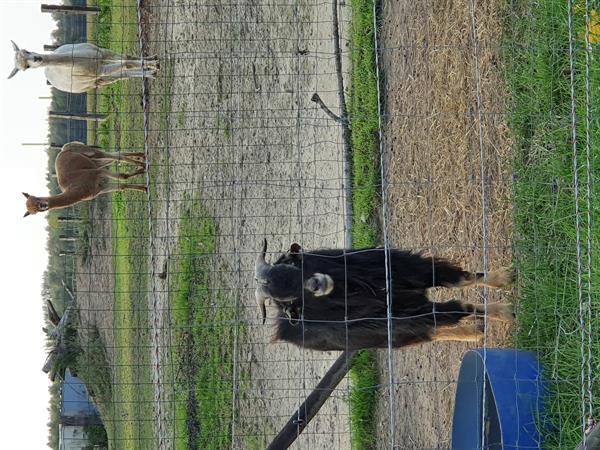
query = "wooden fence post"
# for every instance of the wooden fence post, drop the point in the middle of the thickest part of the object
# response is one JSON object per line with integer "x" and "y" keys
{"x": 70, "y": 9}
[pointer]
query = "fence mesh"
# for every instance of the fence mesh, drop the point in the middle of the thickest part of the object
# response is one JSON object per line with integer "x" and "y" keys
{"x": 481, "y": 128}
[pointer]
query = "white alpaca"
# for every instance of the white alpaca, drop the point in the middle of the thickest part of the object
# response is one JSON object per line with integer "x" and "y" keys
{"x": 78, "y": 68}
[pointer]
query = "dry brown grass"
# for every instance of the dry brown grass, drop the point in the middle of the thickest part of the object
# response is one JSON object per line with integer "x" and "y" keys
{"x": 435, "y": 134}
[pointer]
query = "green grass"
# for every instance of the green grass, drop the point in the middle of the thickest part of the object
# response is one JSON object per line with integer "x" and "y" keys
{"x": 366, "y": 188}
{"x": 129, "y": 422}
{"x": 204, "y": 327}
{"x": 363, "y": 112}
{"x": 202, "y": 369}
{"x": 538, "y": 75}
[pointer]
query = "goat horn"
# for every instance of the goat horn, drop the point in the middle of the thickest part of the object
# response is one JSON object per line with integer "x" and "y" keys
{"x": 13, "y": 73}
{"x": 15, "y": 46}
{"x": 26, "y": 214}
{"x": 260, "y": 301}
{"x": 260, "y": 268}
{"x": 26, "y": 195}
{"x": 261, "y": 264}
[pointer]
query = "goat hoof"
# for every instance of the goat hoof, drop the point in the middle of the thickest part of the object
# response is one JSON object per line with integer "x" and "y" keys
{"x": 503, "y": 278}
{"x": 501, "y": 311}
{"x": 479, "y": 329}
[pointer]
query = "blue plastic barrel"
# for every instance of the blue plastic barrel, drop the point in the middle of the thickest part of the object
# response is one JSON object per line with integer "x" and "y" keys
{"x": 513, "y": 401}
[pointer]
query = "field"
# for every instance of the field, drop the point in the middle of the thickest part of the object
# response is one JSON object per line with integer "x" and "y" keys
{"x": 478, "y": 167}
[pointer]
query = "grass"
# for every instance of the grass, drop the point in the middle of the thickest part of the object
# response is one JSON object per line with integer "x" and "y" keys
{"x": 538, "y": 75}
{"x": 202, "y": 372}
{"x": 129, "y": 422}
{"x": 204, "y": 327}
{"x": 363, "y": 112}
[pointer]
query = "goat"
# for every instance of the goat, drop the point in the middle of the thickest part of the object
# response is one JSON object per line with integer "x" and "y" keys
{"x": 78, "y": 68}
{"x": 81, "y": 173}
{"x": 339, "y": 297}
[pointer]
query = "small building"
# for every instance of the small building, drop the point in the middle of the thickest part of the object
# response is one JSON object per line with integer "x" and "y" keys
{"x": 76, "y": 412}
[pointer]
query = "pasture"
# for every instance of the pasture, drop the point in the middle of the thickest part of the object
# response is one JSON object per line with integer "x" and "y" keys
{"x": 475, "y": 164}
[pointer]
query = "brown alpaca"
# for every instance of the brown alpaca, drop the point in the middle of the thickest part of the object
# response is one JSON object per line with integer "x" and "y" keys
{"x": 81, "y": 173}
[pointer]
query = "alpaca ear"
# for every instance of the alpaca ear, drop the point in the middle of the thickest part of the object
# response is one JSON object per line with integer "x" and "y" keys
{"x": 26, "y": 214}
{"x": 26, "y": 195}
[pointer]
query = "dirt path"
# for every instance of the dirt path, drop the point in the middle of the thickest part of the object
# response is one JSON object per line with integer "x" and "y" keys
{"x": 435, "y": 140}
{"x": 244, "y": 138}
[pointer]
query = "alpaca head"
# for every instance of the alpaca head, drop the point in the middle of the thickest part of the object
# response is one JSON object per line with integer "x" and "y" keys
{"x": 35, "y": 204}
{"x": 24, "y": 60}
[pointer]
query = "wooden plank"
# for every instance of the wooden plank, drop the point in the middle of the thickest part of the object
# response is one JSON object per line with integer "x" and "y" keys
{"x": 313, "y": 403}
{"x": 82, "y": 116}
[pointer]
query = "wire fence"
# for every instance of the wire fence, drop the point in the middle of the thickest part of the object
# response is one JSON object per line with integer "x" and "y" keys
{"x": 471, "y": 163}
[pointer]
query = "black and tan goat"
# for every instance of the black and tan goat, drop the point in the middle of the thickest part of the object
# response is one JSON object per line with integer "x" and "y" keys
{"x": 336, "y": 299}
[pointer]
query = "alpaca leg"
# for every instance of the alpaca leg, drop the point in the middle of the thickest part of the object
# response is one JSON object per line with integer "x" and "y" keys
{"x": 110, "y": 56}
{"x": 138, "y": 73}
{"x": 112, "y": 70}
{"x": 120, "y": 71}
{"x": 136, "y": 155}
{"x": 136, "y": 158}
{"x": 150, "y": 63}
{"x": 105, "y": 81}
{"x": 133, "y": 158}
{"x": 122, "y": 176}
{"x": 133, "y": 187}
{"x": 118, "y": 74}
{"x": 131, "y": 62}
{"x": 123, "y": 74}
{"x": 104, "y": 159}
{"x": 124, "y": 187}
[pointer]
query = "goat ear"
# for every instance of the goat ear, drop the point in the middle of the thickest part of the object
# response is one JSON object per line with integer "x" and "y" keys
{"x": 295, "y": 248}
{"x": 26, "y": 195}
{"x": 26, "y": 214}
{"x": 13, "y": 73}
{"x": 15, "y": 46}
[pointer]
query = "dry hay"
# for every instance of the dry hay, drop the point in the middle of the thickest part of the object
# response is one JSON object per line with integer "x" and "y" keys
{"x": 435, "y": 133}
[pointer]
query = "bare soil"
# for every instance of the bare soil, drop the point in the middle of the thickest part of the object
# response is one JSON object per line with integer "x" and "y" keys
{"x": 244, "y": 138}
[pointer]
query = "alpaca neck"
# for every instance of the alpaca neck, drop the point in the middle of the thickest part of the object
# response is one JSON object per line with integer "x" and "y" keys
{"x": 62, "y": 200}
{"x": 61, "y": 59}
